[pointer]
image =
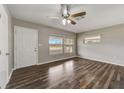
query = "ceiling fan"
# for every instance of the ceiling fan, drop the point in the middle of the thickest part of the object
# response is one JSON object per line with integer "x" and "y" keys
{"x": 68, "y": 18}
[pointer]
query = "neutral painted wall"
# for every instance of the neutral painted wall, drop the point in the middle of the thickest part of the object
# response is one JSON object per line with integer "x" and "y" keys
{"x": 43, "y": 35}
{"x": 110, "y": 49}
{"x": 5, "y": 46}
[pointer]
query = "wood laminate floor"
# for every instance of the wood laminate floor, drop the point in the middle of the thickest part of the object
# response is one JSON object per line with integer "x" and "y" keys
{"x": 74, "y": 73}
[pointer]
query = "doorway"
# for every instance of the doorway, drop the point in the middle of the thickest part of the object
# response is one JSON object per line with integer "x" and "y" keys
{"x": 26, "y": 47}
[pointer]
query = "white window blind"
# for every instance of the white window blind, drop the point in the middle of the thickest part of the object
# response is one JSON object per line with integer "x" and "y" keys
{"x": 68, "y": 45}
{"x": 92, "y": 39}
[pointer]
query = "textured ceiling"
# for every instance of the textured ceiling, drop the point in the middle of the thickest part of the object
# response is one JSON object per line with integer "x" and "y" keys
{"x": 98, "y": 15}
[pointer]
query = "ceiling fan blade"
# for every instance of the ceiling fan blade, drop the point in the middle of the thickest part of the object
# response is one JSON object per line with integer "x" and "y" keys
{"x": 78, "y": 14}
{"x": 53, "y": 17}
{"x": 73, "y": 22}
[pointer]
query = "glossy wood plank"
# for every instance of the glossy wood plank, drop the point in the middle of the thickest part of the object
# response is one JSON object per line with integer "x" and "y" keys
{"x": 73, "y": 73}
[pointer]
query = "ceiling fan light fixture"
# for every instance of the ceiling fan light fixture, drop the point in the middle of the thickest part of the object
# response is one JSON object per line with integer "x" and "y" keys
{"x": 64, "y": 21}
{"x": 68, "y": 21}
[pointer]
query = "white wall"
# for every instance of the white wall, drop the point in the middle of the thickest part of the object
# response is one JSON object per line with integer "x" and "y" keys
{"x": 110, "y": 49}
{"x": 5, "y": 46}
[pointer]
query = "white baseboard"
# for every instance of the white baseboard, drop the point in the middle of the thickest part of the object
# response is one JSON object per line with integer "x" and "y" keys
{"x": 55, "y": 60}
{"x": 102, "y": 61}
{"x": 10, "y": 74}
{"x": 9, "y": 77}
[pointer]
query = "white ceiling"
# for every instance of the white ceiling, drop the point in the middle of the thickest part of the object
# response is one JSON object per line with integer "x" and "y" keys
{"x": 98, "y": 16}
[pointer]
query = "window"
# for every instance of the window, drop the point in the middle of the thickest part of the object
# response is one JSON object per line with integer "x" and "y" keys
{"x": 92, "y": 39}
{"x": 55, "y": 45}
{"x": 68, "y": 45}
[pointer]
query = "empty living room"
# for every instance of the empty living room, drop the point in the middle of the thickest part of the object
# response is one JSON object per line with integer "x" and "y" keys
{"x": 61, "y": 46}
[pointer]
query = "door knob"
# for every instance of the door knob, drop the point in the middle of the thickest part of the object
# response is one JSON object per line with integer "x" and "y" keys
{"x": 7, "y": 54}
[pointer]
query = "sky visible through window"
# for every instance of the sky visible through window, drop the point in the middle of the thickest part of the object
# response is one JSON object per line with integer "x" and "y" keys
{"x": 55, "y": 41}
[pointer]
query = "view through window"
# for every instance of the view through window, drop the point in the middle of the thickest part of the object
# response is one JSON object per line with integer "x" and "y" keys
{"x": 55, "y": 45}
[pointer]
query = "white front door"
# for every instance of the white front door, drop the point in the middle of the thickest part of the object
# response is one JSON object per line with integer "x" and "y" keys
{"x": 26, "y": 46}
